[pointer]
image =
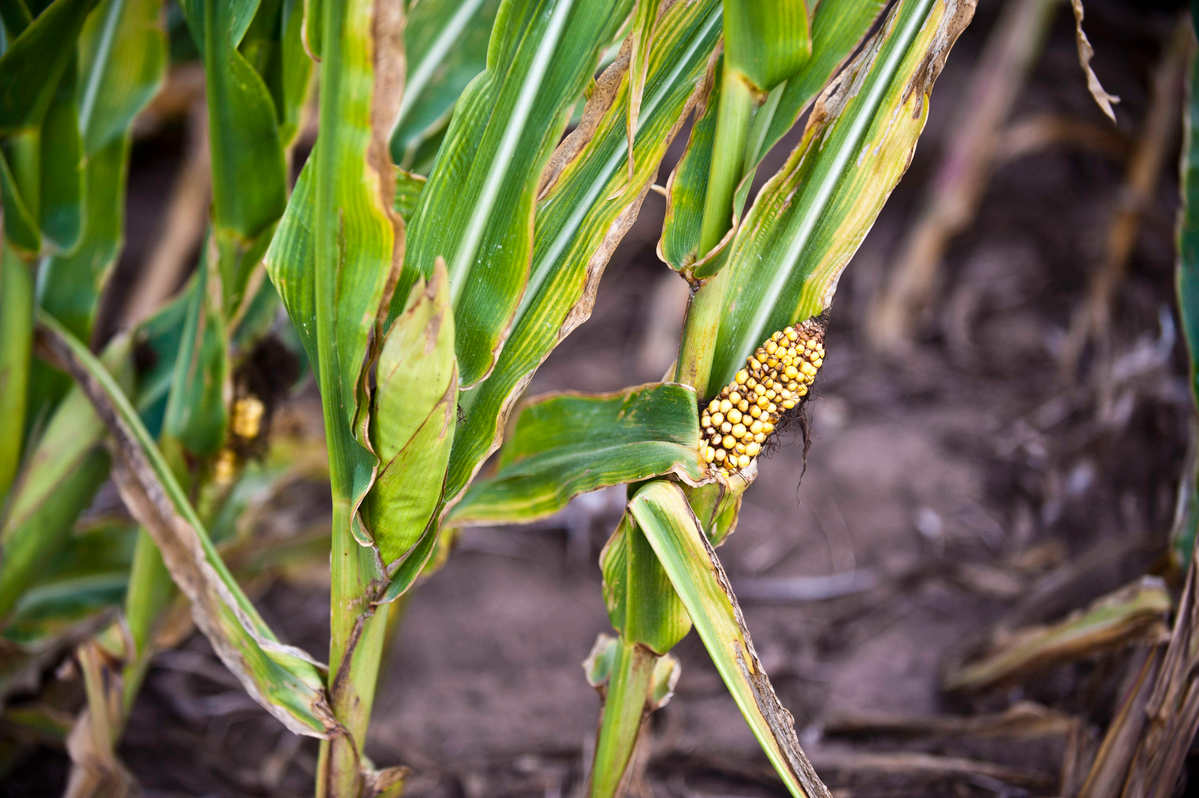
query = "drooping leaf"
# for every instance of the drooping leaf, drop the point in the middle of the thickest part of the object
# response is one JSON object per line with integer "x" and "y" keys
{"x": 661, "y": 511}
{"x": 838, "y": 27}
{"x": 16, "y": 340}
{"x": 568, "y": 444}
{"x": 283, "y": 679}
{"x": 35, "y": 63}
{"x": 586, "y": 209}
{"x": 477, "y": 209}
{"x": 412, "y": 427}
{"x": 810, "y": 218}
{"x": 445, "y": 42}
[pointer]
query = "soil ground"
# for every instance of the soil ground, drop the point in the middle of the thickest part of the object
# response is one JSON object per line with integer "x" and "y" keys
{"x": 963, "y": 486}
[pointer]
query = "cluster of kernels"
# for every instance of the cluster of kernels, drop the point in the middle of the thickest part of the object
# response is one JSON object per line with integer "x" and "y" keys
{"x": 245, "y": 423}
{"x": 775, "y": 379}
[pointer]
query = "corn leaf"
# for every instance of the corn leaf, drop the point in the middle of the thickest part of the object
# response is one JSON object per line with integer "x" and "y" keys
{"x": 642, "y": 604}
{"x": 809, "y": 219}
{"x": 196, "y": 413}
{"x": 20, "y": 228}
{"x": 121, "y": 65}
{"x": 1184, "y": 534}
{"x": 35, "y": 63}
{"x": 412, "y": 427}
{"x": 587, "y": 207}
{"x": 477, "y": 209}
{"x": 334, "y": 249}
{"x": 122, "y": 60}
{"x": 408, "y": 189}
{"x": 662, "y": 512}
{"x": 765, "y": 41}
{"x": 244, "y": 141}
{"x": 644, "y": 17}
{"x": 283, "y": 679}
{"x": 87, "y": 574}
{"x": 16, "y": 323}
{"x": 632, "y": 681}
{"x": 567, "y": 444}
{"x": 838, "y": 27}
{"x": 63, "y": 472}
{"x": 274, "y": 48}
{"x": 60, "y": 169}
{"x": 446, "y": 45}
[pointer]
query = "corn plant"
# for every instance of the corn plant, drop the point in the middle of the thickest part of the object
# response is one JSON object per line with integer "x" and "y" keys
{"x": 424, "y": 298}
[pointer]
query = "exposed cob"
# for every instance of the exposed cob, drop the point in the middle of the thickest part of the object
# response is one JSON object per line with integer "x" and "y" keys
{"x": 776, "y": 378}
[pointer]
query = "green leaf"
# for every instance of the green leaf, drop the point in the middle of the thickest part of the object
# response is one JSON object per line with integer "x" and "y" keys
{"x": 568, "y": 444}
{"x": 60, "y": 169}
{"x": 16, "y": 341}
{"x": 122, "y": 61}
{"x": 274, "y": 48}
{"x": 235, "y": 19}
{"x": 765, "y": 41}
{"x": 587, "y": 207}
{"x": 1188, "y": 302}
{"x": 64, "y": 469}
{"x": 838, "y": 27}
{"x": 631, "y": 678}
{"x": 408, "y": 189}
{"x": 244, "y": 141}
{"x": 283, "y": 679}
{"x": 412, "y": 427}
{"x": 72, "y": 282}
{"x": 337, "y": 244}
{"x": 196, "y": 412}
{"x": 35, "y": 63}
{"x": 445, "y": 42}
{"x": 644, "y": 17}
{"x": 477, "y": 209}
{"x": 662, "y": 512}
{"x": 809, "y": 219}
{"x": 86, "y": 575}
{"x": 20, "y": 228}
{"x": 641, "y": 602}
